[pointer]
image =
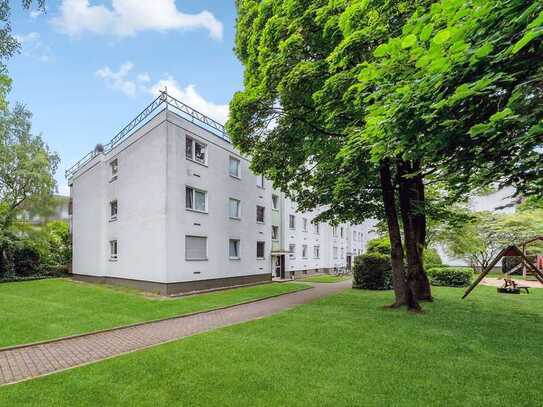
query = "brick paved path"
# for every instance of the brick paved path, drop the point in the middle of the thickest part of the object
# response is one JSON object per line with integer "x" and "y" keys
{"x": 36, "y": 360}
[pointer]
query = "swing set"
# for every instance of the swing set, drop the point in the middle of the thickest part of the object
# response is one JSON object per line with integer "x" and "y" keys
{"x": 528, "y": 268}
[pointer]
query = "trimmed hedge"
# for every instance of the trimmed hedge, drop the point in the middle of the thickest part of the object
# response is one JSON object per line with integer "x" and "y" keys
{"x": 372, "y": 272}
{"x": 450, "y": 276}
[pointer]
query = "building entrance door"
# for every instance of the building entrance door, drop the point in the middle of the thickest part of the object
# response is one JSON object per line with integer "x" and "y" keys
{"x": 348, "y": 262}
{"x": 279, "y": 266}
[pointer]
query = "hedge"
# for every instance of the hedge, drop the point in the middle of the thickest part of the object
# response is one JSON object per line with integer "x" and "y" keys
{"x": 450, "y": 276}
{"x": 372, "y": 272}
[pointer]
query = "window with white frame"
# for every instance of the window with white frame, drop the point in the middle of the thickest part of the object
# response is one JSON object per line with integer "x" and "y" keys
{"x": 233, "y": 248}
{"x": 195, "y": 247}
{"x": 341, "y": 232}
{"x": 260, "y": 181}
{"x": 234, "y": 208}
{"x": 195, "y": 150}
{"x": 316, "y": 251}
{"x": 316, "y": 228}
{"x": 304, "y": 224}
{"x": 292, "y": 222}
{"x": 260, "y": 246}
{"x": 275, "y": 202}
{"x": 195, "y": 199}
{"x": 114, "y": 168}
{"x": 292, "y": 251}
{"x": 275, "y": 232}
{"x": 335, "y": 252}
{"x": 304, "y": 251}
{"x": 342, "y": 253}
{"x": 113, "y": 209}
{"x": 113, "y": 253}
{"x": 234, "y": 167}
{"x": 334, "y": 231}
{"x": 260, "y": 211}
{"x": 354, "y": 235}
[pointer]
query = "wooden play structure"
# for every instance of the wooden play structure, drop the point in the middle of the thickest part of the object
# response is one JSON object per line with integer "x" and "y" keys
{"x": 529, "y": 268}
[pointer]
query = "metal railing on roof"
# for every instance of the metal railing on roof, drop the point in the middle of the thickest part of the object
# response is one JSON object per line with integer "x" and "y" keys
{"x": 164, "y": 101}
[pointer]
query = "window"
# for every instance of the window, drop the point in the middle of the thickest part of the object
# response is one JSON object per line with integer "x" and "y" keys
{"x": 335, "y": 252}
{"x": 260, "y": 181}
{"x": 354, "y": 235}
{"x": 304, "y": 224}
{"x": 234, "y": 206}
{"x": 275, "y": 232}
{"x": 292, "y": 251}
{"x": 260, "y": 213}
{"x": 113, "y": 255}
{"x": 316, "y": 251}
{"x": 292, "y": 222}
{"x": 114, "y": 166}
{"x": 316, "y": 228}
{"x": 195, "y": 248}
{"x": 233, "y": 167}
{"x": 195, "y": 199}
{"x": 341, "y": 232}
{"x": 195, "y": 150}
{"x": 233, "y": 248}
{"x": 304, "y": 251}
{"x": 342, "y": 253}
{"x": 260, "y": 250}
{"x": 334, "y": 231}
{"x": 113, "y": 207}
{"x": 275, "y": 202}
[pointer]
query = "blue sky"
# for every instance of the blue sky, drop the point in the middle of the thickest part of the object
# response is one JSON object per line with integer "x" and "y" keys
{"x": 86, "y": 68}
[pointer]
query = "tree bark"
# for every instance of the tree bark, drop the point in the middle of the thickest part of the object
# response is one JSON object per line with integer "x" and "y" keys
{"x": 401, "y": 291}
{"x": 414, "y": 229}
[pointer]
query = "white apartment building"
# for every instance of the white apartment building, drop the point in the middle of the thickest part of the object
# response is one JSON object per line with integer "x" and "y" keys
{"x": 170, "y": 206}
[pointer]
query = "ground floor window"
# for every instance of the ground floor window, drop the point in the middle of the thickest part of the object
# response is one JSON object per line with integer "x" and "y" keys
{"x": 292, "y": 251}
{"x": 260, "y": 250}
{"x": 233, "y": 248}
{"x": 113, "y": 254}
{"x": 316, "y": 252}
{"x": 195, "y": 248}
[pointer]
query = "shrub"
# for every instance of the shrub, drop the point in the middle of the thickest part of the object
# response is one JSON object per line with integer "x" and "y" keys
{"x": 372, "y": 272}
{"x": 380, "y": 245}
{"x": 26, "y": 261}
{"x": 450, "y": 276}
{"x": 431, "y": 258}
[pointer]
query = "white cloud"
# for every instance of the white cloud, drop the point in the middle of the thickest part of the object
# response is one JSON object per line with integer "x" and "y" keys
{"x": 132, "y": 84}
{"x": 36, "y": 13}
{"x": 191, "y": 97}
{"x": 118, "y": 80}
{"x": 33, "y": 47}
{"x": 127, "y": 17}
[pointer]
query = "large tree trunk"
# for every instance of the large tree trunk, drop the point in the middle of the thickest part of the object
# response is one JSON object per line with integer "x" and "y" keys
{"x": 402, "y": 294}
{"x": 417, "y": 280}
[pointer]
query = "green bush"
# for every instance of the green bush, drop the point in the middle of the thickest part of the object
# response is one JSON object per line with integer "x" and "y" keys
{"x": 372, "y": 272}
{"x": 450, "y": 276}
{"x": 431, "y": 258}
{"x": 26, "y": 261}
{"x": 380, "y": 245}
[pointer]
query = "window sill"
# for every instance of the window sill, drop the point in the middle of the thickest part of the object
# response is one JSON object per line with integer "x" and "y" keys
{"x": 234, "y": 258}
{"x": 235, "y": 177}
{"x": 196, "y": 210}
{"x": 259, "y": 187}
{"x": 113, "y": 219}
{"x": 261, "y": 258}
{"x": 260, "y": 223}
{"x": 234, "y": 218}
{"x": 113, "y": 259}
{"x": 197, "y": 162}
{"x": 112, "y": 179}
{"x": 195, "y": 259}
{"x": 275, "y": 209}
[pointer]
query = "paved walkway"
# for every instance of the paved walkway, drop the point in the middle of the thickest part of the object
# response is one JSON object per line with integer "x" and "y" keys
{"x": 37, "y": 360}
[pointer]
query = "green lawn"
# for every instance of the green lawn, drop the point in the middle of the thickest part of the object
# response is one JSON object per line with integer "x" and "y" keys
{"x": 46, "y": 309}
{"x": 344, "y": 350}
{"x": 325, "y": 279}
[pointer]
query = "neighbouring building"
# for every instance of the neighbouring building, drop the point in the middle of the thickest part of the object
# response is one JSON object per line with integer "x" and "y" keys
{"x": 170, "y": 206}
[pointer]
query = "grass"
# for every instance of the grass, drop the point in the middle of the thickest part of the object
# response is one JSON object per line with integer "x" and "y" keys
{"x": 47, "y": 309}
{"x": 325, "y": 279}
{"x": 342, "y": 350}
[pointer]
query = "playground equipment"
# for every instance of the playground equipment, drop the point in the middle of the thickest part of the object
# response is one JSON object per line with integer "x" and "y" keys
{"x": 510, "y": 287}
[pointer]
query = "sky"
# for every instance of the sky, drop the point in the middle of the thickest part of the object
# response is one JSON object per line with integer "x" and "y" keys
{"x": 86, "y": 68}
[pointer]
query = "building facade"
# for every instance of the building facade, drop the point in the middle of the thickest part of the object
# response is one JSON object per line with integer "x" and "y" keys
{"x": 172, "y": 207}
